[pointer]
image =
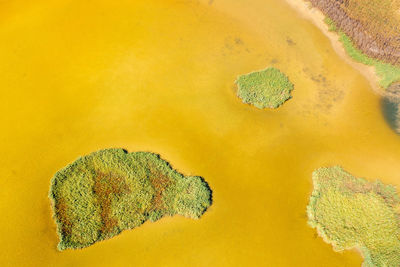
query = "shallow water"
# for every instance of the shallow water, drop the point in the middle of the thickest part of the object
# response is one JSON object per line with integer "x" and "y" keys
{"x": 158, "y": 76}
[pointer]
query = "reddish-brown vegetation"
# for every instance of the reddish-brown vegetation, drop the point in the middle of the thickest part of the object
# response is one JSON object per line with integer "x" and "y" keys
{"x": 373, "y": 25}
{"x": 105, "y": 186}
{"x": 61, "y": 209}
{"x": 159, "y": 182}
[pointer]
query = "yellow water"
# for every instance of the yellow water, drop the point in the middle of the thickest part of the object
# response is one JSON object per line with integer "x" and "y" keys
{"x": 78, "y": 76}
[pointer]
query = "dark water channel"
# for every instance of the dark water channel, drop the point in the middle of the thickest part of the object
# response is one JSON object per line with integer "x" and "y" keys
{"x": 391, "y": 108}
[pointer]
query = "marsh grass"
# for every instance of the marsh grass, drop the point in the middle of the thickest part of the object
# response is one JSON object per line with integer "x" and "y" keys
{"x": 350, "y": 212}
{"x": 108, "y": 191}
{"x": 331, "y": 24}
{"x": 386, "y": 72}
{"x": 268, "y": 88}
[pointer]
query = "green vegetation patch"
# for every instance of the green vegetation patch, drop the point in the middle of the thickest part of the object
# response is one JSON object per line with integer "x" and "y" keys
{"x": 386, "y": 72}
{"x": 267, "y": 88}
{"x": 331, "y": 24}
{"x": 350, "y": 212}
{"x": 108, "y": 191}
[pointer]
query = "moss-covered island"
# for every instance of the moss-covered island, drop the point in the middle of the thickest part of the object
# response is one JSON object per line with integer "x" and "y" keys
{"x": 268, "y": 88}
{"x": 350, "y": 212}
{"x": 108, "y": 191}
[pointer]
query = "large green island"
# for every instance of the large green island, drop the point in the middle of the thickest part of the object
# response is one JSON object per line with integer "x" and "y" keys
{"x": 350, "y": 212}
{"x": 108, "y": 191}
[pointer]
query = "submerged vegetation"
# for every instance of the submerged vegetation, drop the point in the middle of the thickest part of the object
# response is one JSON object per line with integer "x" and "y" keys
{"x": 387, "y": 73}
{"x": 350, "y": 212}
{"x": 108, "y": 191}
{"x": 267, "y": 88}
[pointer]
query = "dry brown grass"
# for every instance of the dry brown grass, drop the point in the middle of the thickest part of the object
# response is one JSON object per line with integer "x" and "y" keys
{"x": 372, "y": 25}
{"x": 379, "y": 17}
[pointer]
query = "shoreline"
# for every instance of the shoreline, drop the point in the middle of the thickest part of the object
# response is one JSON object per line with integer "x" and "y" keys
{"x": 317, "y": 18}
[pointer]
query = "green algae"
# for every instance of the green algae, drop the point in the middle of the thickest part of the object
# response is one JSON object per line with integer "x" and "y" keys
{"x": 268, "y": 88}
{"x": 350, "y": 212}
{"x": 99, "y": 195}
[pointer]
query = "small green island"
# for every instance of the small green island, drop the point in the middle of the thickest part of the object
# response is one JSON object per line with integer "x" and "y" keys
{"x": 268, "y": 88}
{"x": 99, "y": 195}
{"x": 350, "y": 212}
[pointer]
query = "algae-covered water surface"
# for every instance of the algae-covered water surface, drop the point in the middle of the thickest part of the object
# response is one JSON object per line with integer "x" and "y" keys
{"x": 159, "y": 76}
